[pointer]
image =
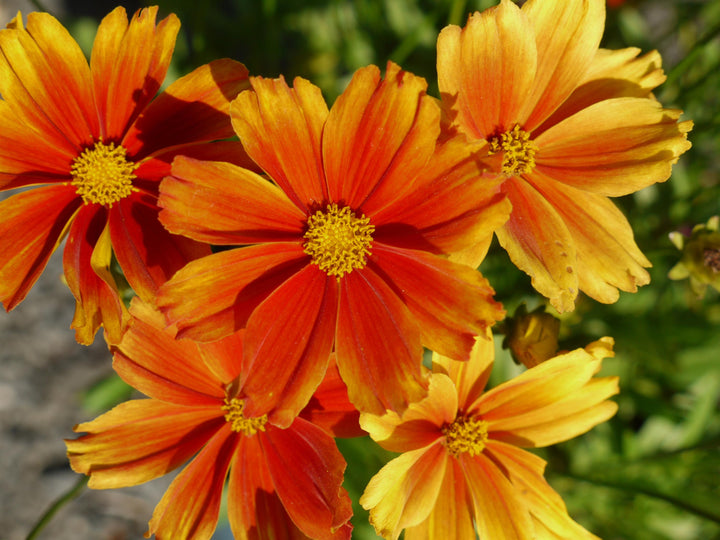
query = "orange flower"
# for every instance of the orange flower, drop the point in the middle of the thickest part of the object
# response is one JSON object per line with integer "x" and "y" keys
{"x": 346, "y": 240}
{"x": 98, "y": 147}
{"x": 461, "y": 462}
{"x": 569, "y": 126}
{"x": 282, "y": 482}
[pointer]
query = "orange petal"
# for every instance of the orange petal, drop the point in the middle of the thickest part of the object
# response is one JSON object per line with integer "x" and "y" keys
{"x": 214, "y": 296}
{"x": 33, "y": 223}
{"x": 222, "y": 204}
{"x": 378, "y": 137}
{"x": 612, "y": 74}
{"x": 378, "y": 345}
{"x": 330, "y": 407}
{"x": 469, "y": 377}
{"x": 193, "y": 108}
{"x": 86, "y": 261}
{"x": 421, "y": 424}
{"x": 451, "y": 517}
{"x": 452, "y": 302}
{"x": 614, "y": 147}
{"x": 307, "y": 471}
{"x": 287, "y": 350}
{"x": 567, "y": 35}
{"x": 151, "y": 360}
{"x": 146, "y": 252}
{"x": 405, "y": 490}
{"x": 191, "y": 505}
{"x": 549, "y": 403}
{"x": 254, "y": 509}
{"x": 525, "y": 471}
{"x": 224, "y": 357}
{"x": 539, "y": 243}
{"x": 486, "y": 70}
{"x": 452, "y": 206}
{"x": 499, "y": 509}
{"x": 140, "y": 440}
{"x": 45, "y": 76}
{"x": 280, "y": 129}
{"x": 129, "y": 63}
{"x": 607, "y": 256}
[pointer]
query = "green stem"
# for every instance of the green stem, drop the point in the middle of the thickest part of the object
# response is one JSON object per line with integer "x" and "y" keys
{"x": 69, "y": 495}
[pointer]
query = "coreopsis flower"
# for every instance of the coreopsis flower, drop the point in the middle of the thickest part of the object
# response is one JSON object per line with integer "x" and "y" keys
{"x": 282, "y": 483}
{"x": 342, "y": 248}
{"x": 569, "y": 126}
{"x": 700, "y": 256}
{"x": 93, "y": 145}
{"x": 462, "y": 461}
{"x": 531, "y": 337}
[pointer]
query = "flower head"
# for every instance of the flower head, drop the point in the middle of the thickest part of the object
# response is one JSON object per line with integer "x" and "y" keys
{"x": 700, "y": 256}
{"x": 342, "y": 249}
{"x": 282, "y": 482}
{"x": 568, "y": 125}
{"x": 94, "y": 145}
{"x": 462, "y": 461}
{"x": 531, "y": 337}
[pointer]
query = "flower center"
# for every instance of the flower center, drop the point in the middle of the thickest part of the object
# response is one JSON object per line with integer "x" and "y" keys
{"x": 338, "y": 241}
{"x": 711, "y": 259}
{"x": 465, "y": 435}
{"x": 102, "y": 174}
{"x": 238, "y": 422}
{"x": 519, "y": 151}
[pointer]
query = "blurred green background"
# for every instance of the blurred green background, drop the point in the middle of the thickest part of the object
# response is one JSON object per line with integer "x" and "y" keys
{"x": 652, "y": 472}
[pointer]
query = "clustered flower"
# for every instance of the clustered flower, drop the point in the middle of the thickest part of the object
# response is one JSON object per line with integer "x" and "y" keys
{"x": 351, "y": 238}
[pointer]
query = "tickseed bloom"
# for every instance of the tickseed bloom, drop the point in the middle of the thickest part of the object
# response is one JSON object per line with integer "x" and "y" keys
{"x": 531, "y": 337}
{"x": 569, "y": 125}
{"x": 282, "y": 483}
{"x": 700, "y": 256}
{"x": 462, "y": 460}
{"x": 342, "y": 248}
{"x": 96, "y": 145}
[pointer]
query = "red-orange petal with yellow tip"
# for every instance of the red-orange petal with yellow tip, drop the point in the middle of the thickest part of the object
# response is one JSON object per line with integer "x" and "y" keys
{"x": 213, "y": 297}
{"x": 147, "y": 253}
{"x": 124, "y": 81}
{"x": 32, "y": 226}
{"x": 220, "y": 203}
{"x": 280, "y": 128}
{"x": 539, "y": 243}
{"x": 151, "y": 360}
{"x": 287, "y": 351}
{"x": 378, "y": 137}
{"x": 191, "y": 505}
{"x": 307, "y": 471}
{"x": 140, "y": 440}
{"x": 452, "y": 302}
{"x": 378, "y": 345}
{"x": 45, "y": 76}
{"x": 194, "y": 108}
{"x": 86, "y": 262}
{"x": 567, "y": 37}
{"x": 254, "y": 510}
{"x": 486, "y": 70}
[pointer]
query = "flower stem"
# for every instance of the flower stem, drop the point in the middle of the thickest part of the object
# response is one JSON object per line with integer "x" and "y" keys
{"x": 69, "y": 495}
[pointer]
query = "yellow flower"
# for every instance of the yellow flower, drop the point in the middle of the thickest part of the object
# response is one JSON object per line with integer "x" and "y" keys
{"x": 569, "y": 125}
{"x": 531, "y": 337}
{"x": 460, "y": 459}
{"x": 700, "y": 256}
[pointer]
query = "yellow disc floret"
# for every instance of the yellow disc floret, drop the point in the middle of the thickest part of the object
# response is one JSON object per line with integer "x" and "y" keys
{"x": 338, "y": 241}
{"x": 519, "y": 151}
{"x": 466, "y": 435}
{"x": 102, "y": 174}
{"x": 237, "y": 420}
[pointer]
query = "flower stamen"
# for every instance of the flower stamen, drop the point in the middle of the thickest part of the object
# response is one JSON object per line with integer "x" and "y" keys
{"x": 711, "y": 259}
{"x": 519, "y": 151}
{"x": 237, "y": 420}
{"x": 466, "y": 435}
{"x": 338, "y": 241}
{"x": 102, "y": 174}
